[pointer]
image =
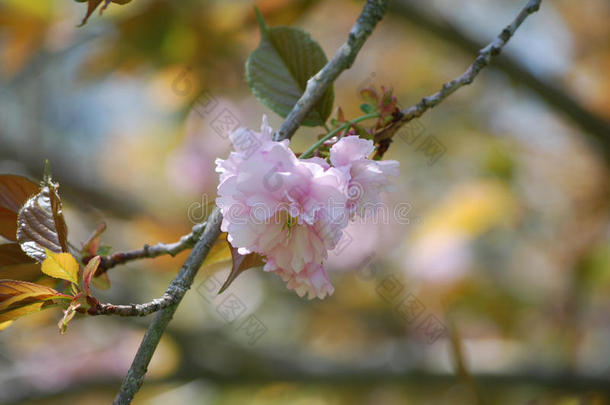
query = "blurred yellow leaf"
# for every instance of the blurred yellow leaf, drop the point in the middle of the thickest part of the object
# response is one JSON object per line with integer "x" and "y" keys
{"x": 10, "y": 315}
{"x": 471, "y": 209}
{"x": 4, "y": 325}
{"x": 220, "y": 252}
{"x": 19, "y": 298}
{"x": 15, "y": 292}
{"x": 61, "y": 265}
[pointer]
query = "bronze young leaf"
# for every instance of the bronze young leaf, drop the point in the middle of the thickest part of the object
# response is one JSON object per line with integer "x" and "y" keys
{"x": 15, "y": 264}
{"x": 41, "y": 223}
{"x": 14, "y": 192}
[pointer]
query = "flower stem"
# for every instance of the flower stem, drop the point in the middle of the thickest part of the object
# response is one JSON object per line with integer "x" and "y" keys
{"x": 309, "y": 152}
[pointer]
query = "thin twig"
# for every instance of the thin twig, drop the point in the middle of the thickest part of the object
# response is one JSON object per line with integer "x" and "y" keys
{"x": 548, "y": 90}
{"x": 309, "y": 152}
{"x": 371, "y": 14}
{"x": 149, "y": 252}
{"x": 485, "y": 55}
{"x": 373, "y": 11}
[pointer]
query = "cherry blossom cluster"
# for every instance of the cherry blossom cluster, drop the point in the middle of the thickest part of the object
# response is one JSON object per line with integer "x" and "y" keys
{"x": 293, "y": 211}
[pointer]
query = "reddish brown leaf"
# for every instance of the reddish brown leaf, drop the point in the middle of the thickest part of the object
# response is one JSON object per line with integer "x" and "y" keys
{"x": 241, "y": 263}
{"x": 24, "y": 272}
{"x": 14, "y": 192}
{"x": 41, "y": 223}
{"x": 91, "y": 245}
{"x": 14, "y": 264}
{"x": 11, "y": 254}
{"x": 90, "y": 272}
{"x": 13, "y": 288}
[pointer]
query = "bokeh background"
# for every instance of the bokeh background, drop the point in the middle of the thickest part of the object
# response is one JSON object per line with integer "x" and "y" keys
{"x": 491, "y": 285}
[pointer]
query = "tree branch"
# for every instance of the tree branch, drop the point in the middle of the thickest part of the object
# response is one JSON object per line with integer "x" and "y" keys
{"x": 149, "y": 252}
{"x": 485, "y": 55}
{"x": 492, "y": 49}
{"x": 371, "y": 14}
{"x": 373, "y": 11}
{"x": 176, "y": 290}
{"x": 553, "y": 95}
{"x": 170, "y": 297}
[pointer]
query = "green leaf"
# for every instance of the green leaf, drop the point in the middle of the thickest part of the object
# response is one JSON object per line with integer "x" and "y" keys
{"x": 278, "y": 70}
{"x": 92, "y": 245}
{"x": 367, "y": 108}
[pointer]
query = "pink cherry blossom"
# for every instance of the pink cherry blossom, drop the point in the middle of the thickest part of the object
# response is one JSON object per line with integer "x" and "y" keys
{"x": 293, "y": 211}
{"x": 289, "y": 210}
{"x": 367, "y": 178}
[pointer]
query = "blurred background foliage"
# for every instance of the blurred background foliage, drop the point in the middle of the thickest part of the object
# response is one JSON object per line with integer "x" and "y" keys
{"x": 506, "y": 246}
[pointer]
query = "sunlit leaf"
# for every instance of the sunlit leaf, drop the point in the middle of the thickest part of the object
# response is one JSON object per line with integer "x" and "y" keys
{"x": 41, "y": 223}
{"x": 241, "y": 263}
{"x": 278, "y": 70}
{"x": 14, "y": 192}
{"x": 4, "y": 325}
{"x": 15, "y": 294}
{"x": 12, "y": 314}
{"x": 61, "y": 265}
{"x": 11, "y": 254}
{"x": 220, "y": 252}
